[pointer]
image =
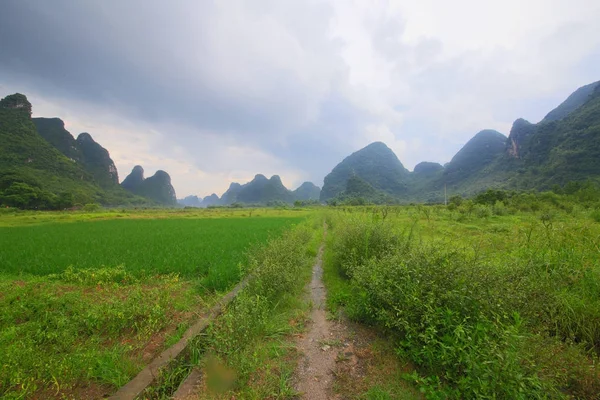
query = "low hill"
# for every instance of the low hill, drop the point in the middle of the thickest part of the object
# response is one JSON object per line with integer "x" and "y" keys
{"x": 376, "y": 164}
{"x": 259, "y": 190}
{"x": 190, "y": 201}
{"x": 158, "y": 187}
{"x": 307, "y": 191}
{"x": 212, "y": 200}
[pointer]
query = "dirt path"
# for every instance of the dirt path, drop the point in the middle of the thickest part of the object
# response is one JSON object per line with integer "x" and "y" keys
{"x": 315, "y": 370}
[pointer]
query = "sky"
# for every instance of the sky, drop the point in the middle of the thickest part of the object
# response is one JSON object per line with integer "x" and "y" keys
{"x": 217, "y": 91}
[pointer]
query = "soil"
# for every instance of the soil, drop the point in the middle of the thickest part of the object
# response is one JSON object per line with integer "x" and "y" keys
{"x": 315, "y": 376}
{"x": 340, "y": 359}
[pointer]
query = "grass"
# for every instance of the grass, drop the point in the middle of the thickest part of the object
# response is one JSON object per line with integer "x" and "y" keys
{"x": 475, "y": 300}
{"x": 249, "y": 351}
{"x": 193, "y": 248}
{"x": 86, "y": 302}
{"x": 16, "y": 217}
{"x": 57, "y": 334}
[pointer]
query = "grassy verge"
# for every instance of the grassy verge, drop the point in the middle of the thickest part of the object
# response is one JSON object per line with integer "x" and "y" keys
{"x": 249, "y": 351}
{"x": 476, "y": 304}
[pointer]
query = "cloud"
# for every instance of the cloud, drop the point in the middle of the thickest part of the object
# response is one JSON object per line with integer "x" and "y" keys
{"x": 218, "y": 91}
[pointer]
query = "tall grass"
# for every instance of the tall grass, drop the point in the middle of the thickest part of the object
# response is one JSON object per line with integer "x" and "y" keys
{"x": 250, "y": 340}
{"x": 466, "y": 311}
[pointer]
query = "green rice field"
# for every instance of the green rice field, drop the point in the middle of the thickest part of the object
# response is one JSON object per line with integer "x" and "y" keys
{"x": 193, "y": 248}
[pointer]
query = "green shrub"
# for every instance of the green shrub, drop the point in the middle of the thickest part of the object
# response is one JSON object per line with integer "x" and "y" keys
{"x": 438, "y": 305}
{"x": 92, "y": 207}
{"x": 482, "y": 211}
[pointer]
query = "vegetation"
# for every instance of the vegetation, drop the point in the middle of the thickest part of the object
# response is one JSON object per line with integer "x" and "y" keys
{"x": 376, "y": 164}
{"x": 480, "y": 151}
{"x": 494, "y": 297}
{"x": 85, "y": 305}
{"x": 248, "y": 352}
{"x": 572, "y": 103}
{"x": 564, "y": 147}
{"x": 308, "y": 191}
{"x": 36, "y": 175}
{"x": 252, "y": 339}
{"x": 157, "y": 188}
{"x": 209, "y": 249}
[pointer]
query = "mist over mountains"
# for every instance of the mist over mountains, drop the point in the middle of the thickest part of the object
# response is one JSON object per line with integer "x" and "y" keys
{"x": 43, "y": 166}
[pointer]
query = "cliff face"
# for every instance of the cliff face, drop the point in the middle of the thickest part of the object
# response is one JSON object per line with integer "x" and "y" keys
{"x": 97, "y": 161}
{"x": 83, "y": 150}
{"x": 519, "y": 132}
{"x": 134, "y": 180}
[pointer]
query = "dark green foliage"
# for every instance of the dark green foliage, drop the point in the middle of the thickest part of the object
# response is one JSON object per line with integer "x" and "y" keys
{"x": 134, "y": 180}
{"x": 360, "y": 192}
{"x": 539, "y": 156}
{"x": 376, "y": 164}
{"x": 564, "y": 147}
{"x": 94, "y": 158}
{"x": 565, "y": 150}
{"x": 27, "y": 160}
{"x": 490, "y": 197}
{"x": 358, "y": 187}
{"x": 158, "y": 188}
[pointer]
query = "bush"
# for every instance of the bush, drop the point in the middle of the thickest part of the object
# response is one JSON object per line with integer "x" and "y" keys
{"x": 92, "y": 207}
{"x": 482, "y": 211}
{"x": 442, "y": 307}
{"x": 499, "y": 208}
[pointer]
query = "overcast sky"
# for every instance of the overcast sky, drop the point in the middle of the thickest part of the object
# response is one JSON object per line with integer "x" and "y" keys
{"x": 217, "y": 91}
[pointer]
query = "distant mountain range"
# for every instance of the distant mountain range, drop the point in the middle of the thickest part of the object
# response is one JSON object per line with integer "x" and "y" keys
{"x": 43, "y": 166}
{"x": 259, "y": 191}
{"x": 563, "y": 147}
